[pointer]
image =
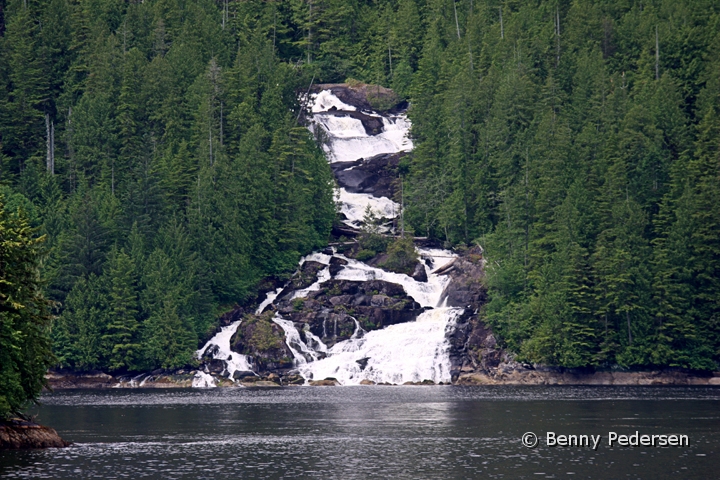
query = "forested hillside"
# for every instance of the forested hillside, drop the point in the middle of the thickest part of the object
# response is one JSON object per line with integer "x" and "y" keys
{"x": 160, "y": 147}
{"x": 178, "y": 176}
{"x": 578, "y": 142}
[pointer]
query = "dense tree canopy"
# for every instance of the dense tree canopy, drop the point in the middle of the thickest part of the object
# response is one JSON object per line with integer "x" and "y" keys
{"x": 157, "y": 146}
{"x": 25, "y": 351}
{"x": 577, "y": 142}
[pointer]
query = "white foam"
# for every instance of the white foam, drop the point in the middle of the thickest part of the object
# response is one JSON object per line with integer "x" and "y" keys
{"x": 299, "y": 349}
{"x": 427, "y": 294}
{"x": 203, "y": 380}
{"x": 407, "y": 352}
{"x": 347, "y": 140}
{"x": 233, "y": 361}
{"x": 354, "y": 205}
{"x": 325, "y": 100}
{"x": 271, "y": 296}
{"x": 323, "y": 276}
{"x": 314, "y": 342}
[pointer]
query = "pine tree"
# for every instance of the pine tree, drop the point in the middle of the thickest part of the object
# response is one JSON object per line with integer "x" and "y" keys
{"x": 123, "y": 326}
{"x": 25, "y": 319}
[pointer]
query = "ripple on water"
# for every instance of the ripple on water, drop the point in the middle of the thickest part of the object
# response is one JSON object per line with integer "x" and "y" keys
{"x": 367, "y": 432}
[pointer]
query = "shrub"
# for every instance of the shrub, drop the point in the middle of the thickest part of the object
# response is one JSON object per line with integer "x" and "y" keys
{"x": 364, "y": 254}
{"x": 402, "y": 256}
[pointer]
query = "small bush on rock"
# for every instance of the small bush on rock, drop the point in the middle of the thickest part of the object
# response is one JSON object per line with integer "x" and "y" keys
{"x": 402, "y": 256}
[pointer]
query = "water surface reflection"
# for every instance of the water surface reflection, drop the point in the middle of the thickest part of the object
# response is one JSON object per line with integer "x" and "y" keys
{"x": 363, "y": 432}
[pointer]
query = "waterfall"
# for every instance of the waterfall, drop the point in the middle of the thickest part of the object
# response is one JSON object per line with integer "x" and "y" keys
{"x": 414, "y": 351}
{"x": 219, "y": 348}
{"x": 407, "y": 352}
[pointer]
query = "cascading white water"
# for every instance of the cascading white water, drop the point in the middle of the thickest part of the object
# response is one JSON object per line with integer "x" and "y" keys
{"x": 347, "y": 140}
{"x": 220, "y": 345}
{"x": 408, "y": 352}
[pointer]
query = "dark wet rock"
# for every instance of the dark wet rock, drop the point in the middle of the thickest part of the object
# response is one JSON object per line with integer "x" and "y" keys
{"x": 18, "y": 434}
{"x": 242, "y": 374}
{"x": 264, "y": 341}
{"x": 334, "y": 312}
{"x": 307, "y": 275}
{"x": 466, "y": 288}
{"x": 362, "y": 362}
{"x": 210, "y": 352}
{"x": 336, "y": 264}
{"x": 419, "y": 274}
{"x": 341, "y": 300}
{"x": 293, "y": 379}
{"x": 215, "y": 366}
{"x": 376, "y": 175}
{"x": 342, "y": 230}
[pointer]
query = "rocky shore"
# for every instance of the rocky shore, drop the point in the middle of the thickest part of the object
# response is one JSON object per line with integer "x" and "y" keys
{"x": 505, "y": 374}
{"x": 331, "y": 315}
{"x": 18, "y": 434}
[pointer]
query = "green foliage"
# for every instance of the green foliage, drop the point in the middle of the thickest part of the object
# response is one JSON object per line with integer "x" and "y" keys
{"x": 181, "y": 176}
{"x": 298, "y": 304}
{"x": 587, "y": 171}
{"x": 262, "y": 337}
{"x": 381, "y": 100}
{"x": 25, "y": 350}
{"x": 583, "y": 168}
{"x": 371, "y": 239}
{"x": 365, "y": 254}
{"x": 402, "y": 256}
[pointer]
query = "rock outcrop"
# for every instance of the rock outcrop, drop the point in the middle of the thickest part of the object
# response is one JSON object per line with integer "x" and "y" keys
{"x": 370, "y": 98}
{"x": 263, "y": 341}
{"x": 21, "y": 434}
{"x": 335, "y": 312}
{"x": 376, "y": 175}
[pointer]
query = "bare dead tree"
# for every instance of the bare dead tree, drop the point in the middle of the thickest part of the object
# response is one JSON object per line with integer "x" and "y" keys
{"x": 502, "y": 29}
{"x": 657, "y": 54}
{"x": 50, "y": 141}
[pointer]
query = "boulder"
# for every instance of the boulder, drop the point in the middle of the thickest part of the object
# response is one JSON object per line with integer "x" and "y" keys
{"x": 328, "y": 382}
{"x": 263, "y": 340}
{"x": 242, "y": 374}
{"x": 362, "y": 362}
{"x": 215, "y": 366}
{"x": 336, "y": 264}
{"x": 419, "y": 274}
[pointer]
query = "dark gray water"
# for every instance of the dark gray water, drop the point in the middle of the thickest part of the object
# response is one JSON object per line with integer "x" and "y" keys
{"x": 372, "y": 432}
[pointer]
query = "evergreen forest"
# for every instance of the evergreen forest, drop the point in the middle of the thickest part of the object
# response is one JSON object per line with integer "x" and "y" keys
{"x": 159, "y": 148}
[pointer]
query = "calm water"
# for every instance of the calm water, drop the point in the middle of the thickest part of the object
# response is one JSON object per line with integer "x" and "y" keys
{"x": 371, "y": 432}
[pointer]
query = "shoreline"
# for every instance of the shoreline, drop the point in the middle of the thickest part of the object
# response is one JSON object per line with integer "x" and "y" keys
{"x": 18, "y": 434}
{"x": 547, "y": 376}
